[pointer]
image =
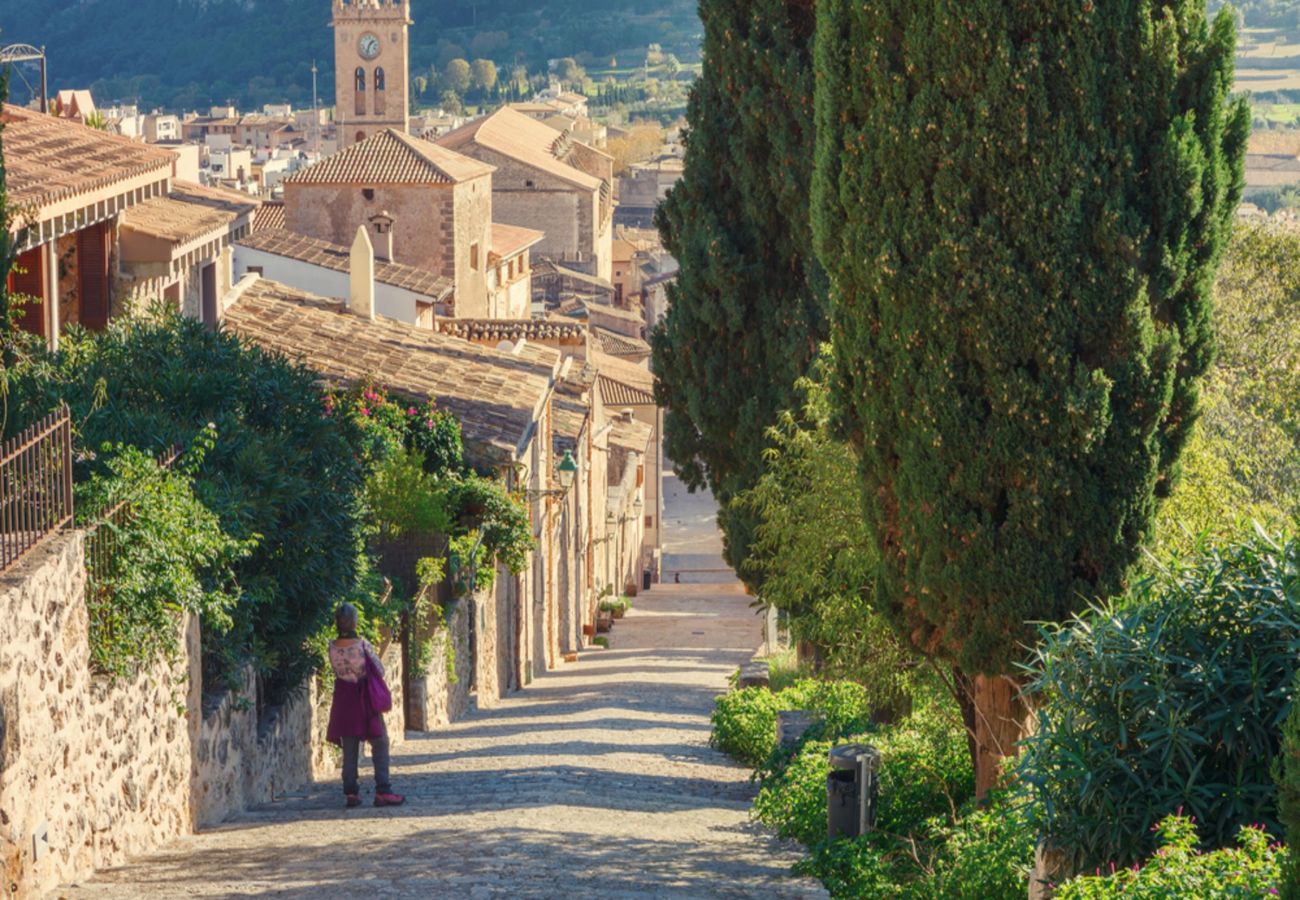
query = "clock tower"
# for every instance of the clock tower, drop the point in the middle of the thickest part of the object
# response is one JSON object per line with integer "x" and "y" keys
{"x": 371, "y": 67}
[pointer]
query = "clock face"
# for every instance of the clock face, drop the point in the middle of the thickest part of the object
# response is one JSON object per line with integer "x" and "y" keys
{"x": 369, "y": 46}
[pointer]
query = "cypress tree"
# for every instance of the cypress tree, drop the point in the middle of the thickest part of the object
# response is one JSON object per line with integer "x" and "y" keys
{"x": 1021, "y": 205}
{"x": 747, "y": 311}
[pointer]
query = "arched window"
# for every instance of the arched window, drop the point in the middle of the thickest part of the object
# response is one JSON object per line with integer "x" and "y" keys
{"x": 361, "y": 136}
{"x": 361, "y": 92}
{"x": 379, "y": 92}
{"x": 361, "y": 79}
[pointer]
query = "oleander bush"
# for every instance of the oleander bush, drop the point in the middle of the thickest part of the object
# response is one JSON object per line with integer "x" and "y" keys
{"x": 1177, "y": 871}
{"x": 1286, "y": 772}
{"x": 1171, "y": 697}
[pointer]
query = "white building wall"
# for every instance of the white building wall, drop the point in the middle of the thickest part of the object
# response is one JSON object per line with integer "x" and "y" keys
{"x": 393, "y": 302}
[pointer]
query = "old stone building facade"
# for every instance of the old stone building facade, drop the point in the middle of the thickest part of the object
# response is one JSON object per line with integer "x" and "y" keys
{"x": 426, "y": 206}
{"x": 371, "y": 67}
{"x": 548, "y": 181}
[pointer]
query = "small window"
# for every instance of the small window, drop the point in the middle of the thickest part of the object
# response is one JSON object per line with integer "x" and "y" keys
{"x": 368, "y": 193}
{"x": 529, "y": 184}
{"x": 473, "y": 256}
{"x": 361, "y": 136}
{"x": 361, "y": 80}
{"x": 254, "y": 270}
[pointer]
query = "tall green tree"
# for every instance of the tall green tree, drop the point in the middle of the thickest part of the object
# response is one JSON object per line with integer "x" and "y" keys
{"x": 1021, "y": 206}
{"x": 748, "y": 309}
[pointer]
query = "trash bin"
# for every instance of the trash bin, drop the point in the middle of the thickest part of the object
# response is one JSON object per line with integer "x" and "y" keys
{"x": 645, "y": 579}
{"x": 851, "y": 789}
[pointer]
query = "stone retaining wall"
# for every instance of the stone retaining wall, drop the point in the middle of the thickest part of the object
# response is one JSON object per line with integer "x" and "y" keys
{"x": 437, "y": 699}
{"x": 89, "y": 772}
{"x": 92, "y": 772}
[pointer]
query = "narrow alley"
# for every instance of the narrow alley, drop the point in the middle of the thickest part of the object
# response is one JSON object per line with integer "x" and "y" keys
{"x": 596, "y": 781}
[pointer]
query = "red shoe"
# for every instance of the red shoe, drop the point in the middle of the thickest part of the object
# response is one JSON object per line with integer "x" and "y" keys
{"x": 389, "y": 799}
{"x": 352, "y": 800}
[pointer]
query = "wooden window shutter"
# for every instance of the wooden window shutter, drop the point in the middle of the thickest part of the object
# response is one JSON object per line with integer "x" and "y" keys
{"x": 92, "y": 265}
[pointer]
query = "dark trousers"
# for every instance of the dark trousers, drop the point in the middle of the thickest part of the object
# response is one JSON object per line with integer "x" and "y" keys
{"x": 378, "y": 756}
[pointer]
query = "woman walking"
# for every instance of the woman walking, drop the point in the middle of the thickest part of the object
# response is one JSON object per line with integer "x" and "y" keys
{"x": 352, "y": 719}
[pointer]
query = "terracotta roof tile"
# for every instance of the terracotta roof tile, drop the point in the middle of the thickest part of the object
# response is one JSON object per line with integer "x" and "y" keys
{"x": 270, "y": 215}
{"x": 281, "y": 242}
{"x": 513, "y": 329}
{"x": 391, "y": 157}
{"x": 49, "y": 159}
{"x": 568, "y": 417}
{"x": 513, "y": 134}
{"x": 632, "y": 435}
{"x": 493, "y": 394}
{"x": 618, "y": 344}
{"x": 189, "y": 212}
{"x": 508, "y": 240}
{"x": 622, "y": 383}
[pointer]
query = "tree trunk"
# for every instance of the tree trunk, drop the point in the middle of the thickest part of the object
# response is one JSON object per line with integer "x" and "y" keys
{"x": 965, "y": 701}
{"x": 1001, "y": 719}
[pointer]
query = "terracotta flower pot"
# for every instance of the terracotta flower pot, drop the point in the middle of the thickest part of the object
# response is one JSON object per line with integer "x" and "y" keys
{"x": 588, "y": 630}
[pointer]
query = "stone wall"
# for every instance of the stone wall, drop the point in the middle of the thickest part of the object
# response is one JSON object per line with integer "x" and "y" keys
{"x": 90, "y": 772}
{"x": 435, "y": 698}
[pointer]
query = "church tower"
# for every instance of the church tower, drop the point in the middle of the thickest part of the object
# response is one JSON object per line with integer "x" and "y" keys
{"x": 372, "y": 75}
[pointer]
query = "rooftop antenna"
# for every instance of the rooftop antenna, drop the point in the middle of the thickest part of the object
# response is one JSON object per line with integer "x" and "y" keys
{"x": 315, "y": 112}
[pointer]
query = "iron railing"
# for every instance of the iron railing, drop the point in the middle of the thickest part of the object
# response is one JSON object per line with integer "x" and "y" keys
{"x": 35, "y": 486}
{"x": 105, "y": 534}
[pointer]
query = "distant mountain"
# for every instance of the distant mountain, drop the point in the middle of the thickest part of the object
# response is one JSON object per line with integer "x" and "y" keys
{"x": 195, "y": 53}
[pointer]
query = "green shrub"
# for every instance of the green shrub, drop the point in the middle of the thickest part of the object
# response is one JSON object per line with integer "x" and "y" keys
{"x": 1177, "y": 871}
{"x": 163, "y": 554}
{"x": 744, "y": 722}
{"x": 982, "y": 854}
{"x": 792, "y": 800}
{"x": 1286, "y": 771}
{"x": 925, "y": 771}
{"x": 1172, "y": 698}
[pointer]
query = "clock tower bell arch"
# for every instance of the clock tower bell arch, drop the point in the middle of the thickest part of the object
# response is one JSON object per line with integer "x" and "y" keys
{"x": 371, "y": 67}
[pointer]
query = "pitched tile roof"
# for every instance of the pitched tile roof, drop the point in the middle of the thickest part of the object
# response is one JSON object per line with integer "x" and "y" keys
{"x": 495, "y": 395}
{"x": 513, "y": 329}
{"x": 618, "y": 344}
{"x": 189, "y": 212}
{"x": 622, "y": 383}
{"x": 568, "y": 416}
{"x": 507, "y": 240}
{"x": 391, "y": 157}
{"x": 270, "y": 215}
{"x": 281, "y": 242}
{"x": 632, "y": 435}
{"x": 520, "y": 137}
{"x": 49, "y": 159}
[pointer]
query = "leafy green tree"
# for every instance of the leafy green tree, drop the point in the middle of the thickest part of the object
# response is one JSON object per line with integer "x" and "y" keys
{"x": 1021, "y": 207}
{"x": 1242, "y": 463}
{"x": 813, "y": 554}
{"x": 569, "y": 72}
{"x": 483, "y": 74}
{"x": 456, "y": 76}
{"x": 747, "y": 311}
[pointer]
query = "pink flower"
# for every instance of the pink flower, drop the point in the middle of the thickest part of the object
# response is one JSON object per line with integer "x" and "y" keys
{"x": 365, "y": 411}
{"x": 411, "y": 411}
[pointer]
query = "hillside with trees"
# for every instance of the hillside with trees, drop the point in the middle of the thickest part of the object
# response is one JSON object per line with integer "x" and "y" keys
{"x": 184, "y": 54}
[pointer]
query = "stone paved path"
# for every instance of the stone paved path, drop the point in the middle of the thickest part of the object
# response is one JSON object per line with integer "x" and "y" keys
{"x": 596, "y": 781}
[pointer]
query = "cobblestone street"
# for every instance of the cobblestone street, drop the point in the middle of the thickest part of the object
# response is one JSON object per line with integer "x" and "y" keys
{"x": 596, "y": 781}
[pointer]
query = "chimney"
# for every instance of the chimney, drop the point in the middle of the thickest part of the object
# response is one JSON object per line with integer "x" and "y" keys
{"x": 382, "y": 225}
{"x": 362, "y": 274}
